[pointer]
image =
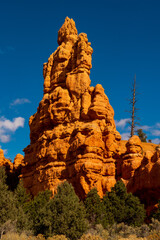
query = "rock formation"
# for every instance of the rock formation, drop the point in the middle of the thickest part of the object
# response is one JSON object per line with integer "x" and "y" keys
{"x": 145, "y": 182}
{"x": 73, "y": 134}
{"x": 13, "y": 169}
{"x": 5, "y": 162}
{"x": 139, "y": 168}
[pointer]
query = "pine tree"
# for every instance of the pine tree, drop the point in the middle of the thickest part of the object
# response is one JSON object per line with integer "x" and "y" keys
{"x": 8, "y": 210}
{"x": 124, "y": 206}
{"x": 141, "y": 135}
{"x": 21, "y": 200}
{"x": 37, "y": 211}
{"x": 135, "y": 212}
{"x": 68, "y": 213}
{"x": 95, "y": 209}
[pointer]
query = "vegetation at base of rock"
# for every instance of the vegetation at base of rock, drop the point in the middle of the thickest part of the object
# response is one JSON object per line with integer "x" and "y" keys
{"x": 156, "y": 214}
{"x": 69, "y": 216}
{"x": 141, "y": 135}
{"x": 118, "y": 215}
{"x": 96, "y": 210}
{"x": 116, "y": 206}
{"x": 114, "y": 232}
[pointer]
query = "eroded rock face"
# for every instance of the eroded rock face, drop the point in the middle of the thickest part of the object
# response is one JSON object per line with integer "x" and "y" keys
{"x": 140, "y": 171}
{"x": 132, "y": 159}
{"x": 73, "y": 134}
{"x": 4, "y": 162}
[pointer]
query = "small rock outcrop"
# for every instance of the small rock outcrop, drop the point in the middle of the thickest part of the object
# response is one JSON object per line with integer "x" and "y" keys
{"x": 145, "y": 182}
{"x": 4, "y": 162}
{"x": 73, "y": 134}
{"x": 13, "y": 169}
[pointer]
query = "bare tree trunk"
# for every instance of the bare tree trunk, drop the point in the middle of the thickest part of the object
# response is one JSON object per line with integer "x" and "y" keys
{"x": 133, "y": 101}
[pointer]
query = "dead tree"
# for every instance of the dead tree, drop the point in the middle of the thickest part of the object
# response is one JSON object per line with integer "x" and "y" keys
{"x": 132, "y": 101}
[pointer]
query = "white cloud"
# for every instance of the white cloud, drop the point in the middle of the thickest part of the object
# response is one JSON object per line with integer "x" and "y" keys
{"x": 5, "y": 151}
{"x": 11, "y": 125}
{"x": 156, "y": 132}
{"x": 20, "y": 101}
{"x": 125, "y": 136}
{"x": 156, "y": 140}
{"x": 145, "y": 127}
{"x": 158, "y": 125}
{"x": 122, "y": 123}
{"x": 4, "y": 137}
{"x": 7, "y": 127}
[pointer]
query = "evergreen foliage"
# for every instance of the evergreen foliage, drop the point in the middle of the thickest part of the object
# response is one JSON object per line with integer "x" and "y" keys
{"x": 142, "y": 135}
{"x": 38, "y": 213}
{"x": 8, "y": 210}
{"x": 156, "y": 215}
{"x": 96, "y": 209}
{"x": 64, "y": 214}
{"x": 68, "y": 213}
{"x": 124, "y": 206}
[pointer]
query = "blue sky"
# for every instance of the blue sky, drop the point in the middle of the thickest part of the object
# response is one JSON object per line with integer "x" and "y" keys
{"x": 125, "y": 36}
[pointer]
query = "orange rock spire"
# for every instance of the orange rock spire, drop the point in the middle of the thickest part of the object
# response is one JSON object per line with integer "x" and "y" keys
{"x": 73, "y": 134}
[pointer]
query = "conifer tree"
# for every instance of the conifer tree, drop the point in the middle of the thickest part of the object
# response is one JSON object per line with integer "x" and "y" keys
{"x": 39, "y": 216}
{"x": 21, "y": 200}
{"x": 8, "y": 210}
{"x": 68, "y": 213}
{"x": 124, "y": 206}
{"x": 141, "y": 135}
{"x": 95, "y": 209}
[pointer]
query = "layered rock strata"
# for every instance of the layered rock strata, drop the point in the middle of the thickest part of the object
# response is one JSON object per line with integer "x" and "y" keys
{"x": 73, "y": 134}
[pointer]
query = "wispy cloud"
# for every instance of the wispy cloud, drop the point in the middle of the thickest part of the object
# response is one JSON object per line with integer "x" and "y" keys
{"x": 125, "y": 136}
{"x": 156, "y": 132}
{"x": 158, "y": 125}
{"x": 156, "y": 140}
{"x": 145, "y": 127}
{"x": 5, "y": 151}
{"x": 7, "y": 127}
{"x": 151, "y": 131}
{"x": 4, "y": 137}
{"x": 122, "y": 123}
{"x": 20, "y": 101}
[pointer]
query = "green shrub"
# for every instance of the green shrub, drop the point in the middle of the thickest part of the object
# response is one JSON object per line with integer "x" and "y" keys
{"x": 96, "y": 210}
{"x": 89, "y": 236}
{"x": 57, "y": 237}
{"x": 39, "y": 216}
{"x": 123, "y": 206}
{"x": 68, "y": 213}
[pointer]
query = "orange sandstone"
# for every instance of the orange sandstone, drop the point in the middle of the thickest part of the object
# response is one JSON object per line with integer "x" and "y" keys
{"x": 73, "y": 134}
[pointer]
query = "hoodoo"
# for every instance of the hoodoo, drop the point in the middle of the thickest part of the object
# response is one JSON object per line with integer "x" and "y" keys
{"x": 73, "y": 133}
